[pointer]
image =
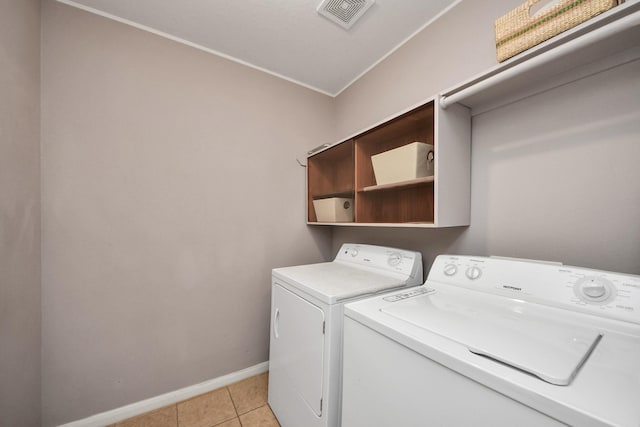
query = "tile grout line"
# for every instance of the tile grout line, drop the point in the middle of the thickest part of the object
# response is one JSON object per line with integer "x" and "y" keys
{"x": 233, "y": 404}
{"x": 235, "y": 407}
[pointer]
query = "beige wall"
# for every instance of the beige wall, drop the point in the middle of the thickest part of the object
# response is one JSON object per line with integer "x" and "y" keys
{"x": 554, "y": 177}
{"x": 170, "y": 190}
{"x": 19, "y": 213}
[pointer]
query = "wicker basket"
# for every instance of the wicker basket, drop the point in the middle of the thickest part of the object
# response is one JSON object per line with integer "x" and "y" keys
{"x": 517, "y": 31}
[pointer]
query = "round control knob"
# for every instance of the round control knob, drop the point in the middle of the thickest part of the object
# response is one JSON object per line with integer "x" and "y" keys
{"x": 595, "y": 289}
{"x": 394, "y": 259}
{"x": 450, "y": 269}
{"x": 354, "y": 252}
{"x": 473, "y": 272}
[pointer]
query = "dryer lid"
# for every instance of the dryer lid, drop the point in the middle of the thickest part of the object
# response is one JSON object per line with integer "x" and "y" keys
{"x": 515, "y": 333}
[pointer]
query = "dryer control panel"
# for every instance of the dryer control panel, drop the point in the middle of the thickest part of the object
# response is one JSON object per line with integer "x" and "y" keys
{"x": 604, "y": 293}
{"x": 400, "y": 261}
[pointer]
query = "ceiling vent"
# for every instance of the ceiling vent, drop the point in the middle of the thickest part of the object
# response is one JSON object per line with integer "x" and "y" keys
{"x": 344, "y": 12}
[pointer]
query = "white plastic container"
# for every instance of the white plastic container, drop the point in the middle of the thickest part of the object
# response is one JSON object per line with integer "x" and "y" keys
{"x": 334, "y": 209}
{"x": 405, "y": 163}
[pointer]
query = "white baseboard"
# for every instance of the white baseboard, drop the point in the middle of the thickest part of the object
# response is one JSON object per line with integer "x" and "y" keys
{"x": 128, "y": 411}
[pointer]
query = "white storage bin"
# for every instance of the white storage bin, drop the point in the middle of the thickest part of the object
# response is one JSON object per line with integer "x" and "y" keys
{"x": 405, "y": 163}
{"x": 334, "y": 209}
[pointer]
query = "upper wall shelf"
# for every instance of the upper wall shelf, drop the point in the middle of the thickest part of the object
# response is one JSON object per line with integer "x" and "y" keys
{"x": 608, "y": 40}
{"x": 346, "y": 171}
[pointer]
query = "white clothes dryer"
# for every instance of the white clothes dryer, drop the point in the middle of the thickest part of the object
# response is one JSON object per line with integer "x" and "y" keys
{"x": 496, "y": 342}
{"x": 305, "y": 355}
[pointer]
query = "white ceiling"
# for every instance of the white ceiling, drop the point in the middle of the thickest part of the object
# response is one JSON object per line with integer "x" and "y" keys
{"x": 286, "y": 38}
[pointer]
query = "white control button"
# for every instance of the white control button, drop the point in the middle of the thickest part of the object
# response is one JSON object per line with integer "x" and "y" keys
{"x": 354, "y": 252}
{"x": 473, "y": 272}
{"x": 450, "y": 269}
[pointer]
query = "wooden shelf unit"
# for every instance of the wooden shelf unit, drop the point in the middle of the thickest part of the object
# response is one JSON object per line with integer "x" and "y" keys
{"x": 345, "y": 170}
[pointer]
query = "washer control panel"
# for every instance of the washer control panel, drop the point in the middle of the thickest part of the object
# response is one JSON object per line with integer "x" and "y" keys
{"x": 604, "y": 293}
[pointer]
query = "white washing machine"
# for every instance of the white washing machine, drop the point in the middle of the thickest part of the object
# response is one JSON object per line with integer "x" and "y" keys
{"x": 305, "y": 356}
{"x": 496, "y": 342}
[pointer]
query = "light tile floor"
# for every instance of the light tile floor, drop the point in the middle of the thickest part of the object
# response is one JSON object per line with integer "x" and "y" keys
{"x": 243, "y": 404}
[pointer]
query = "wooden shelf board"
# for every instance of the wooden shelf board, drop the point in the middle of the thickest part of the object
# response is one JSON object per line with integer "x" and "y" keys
{"x": 402, "y": 184}
{"x": 380, "y": 224}
{"x": 345, "y": 193}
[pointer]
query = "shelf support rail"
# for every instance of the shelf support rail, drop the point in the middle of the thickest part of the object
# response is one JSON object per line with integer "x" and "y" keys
{"x": 604, "y": 32}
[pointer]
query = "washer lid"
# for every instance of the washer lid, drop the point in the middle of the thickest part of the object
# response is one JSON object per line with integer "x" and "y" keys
{"x": 511, "y": 332}
{"x": 331, "y": 282}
